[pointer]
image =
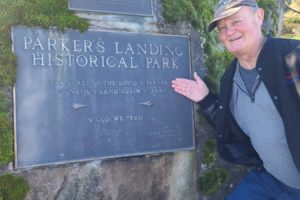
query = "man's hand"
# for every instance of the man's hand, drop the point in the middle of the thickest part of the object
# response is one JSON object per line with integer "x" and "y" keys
{"x": 195, "y": 90}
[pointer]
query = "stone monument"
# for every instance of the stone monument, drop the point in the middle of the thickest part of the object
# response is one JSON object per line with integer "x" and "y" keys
{"x": 95, "y": 114}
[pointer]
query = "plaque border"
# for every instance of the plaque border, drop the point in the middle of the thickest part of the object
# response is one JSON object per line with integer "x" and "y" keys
{"x": 117, "y": 156}
{"x": 113, "y": 12}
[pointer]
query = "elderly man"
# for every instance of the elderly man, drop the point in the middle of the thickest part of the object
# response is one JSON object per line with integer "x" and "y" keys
{"x": 257, "y": 114}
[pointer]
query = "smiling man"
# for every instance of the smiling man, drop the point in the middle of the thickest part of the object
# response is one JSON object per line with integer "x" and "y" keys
{"x": 257, "y": 114}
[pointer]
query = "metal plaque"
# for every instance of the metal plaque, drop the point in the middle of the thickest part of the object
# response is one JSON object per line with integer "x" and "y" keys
{"x": 84, "y": 96}
{"x": 129, "y": 7}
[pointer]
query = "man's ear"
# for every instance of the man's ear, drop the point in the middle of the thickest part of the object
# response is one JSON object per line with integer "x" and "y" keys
{"x": 260, "y": 14}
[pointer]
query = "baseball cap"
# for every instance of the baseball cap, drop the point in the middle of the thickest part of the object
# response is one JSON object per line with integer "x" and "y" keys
{"x": 226, "y": 8}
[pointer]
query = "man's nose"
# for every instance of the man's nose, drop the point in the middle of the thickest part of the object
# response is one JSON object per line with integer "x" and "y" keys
{"x": 230, "y": 30}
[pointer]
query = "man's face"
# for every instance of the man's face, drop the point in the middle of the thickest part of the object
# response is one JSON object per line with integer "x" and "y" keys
{"x": 241, "y": 31}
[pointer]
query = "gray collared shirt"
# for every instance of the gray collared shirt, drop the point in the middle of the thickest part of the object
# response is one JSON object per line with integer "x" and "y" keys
{"x": 260, "y": 120}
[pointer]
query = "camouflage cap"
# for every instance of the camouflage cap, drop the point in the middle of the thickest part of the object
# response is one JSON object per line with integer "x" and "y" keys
{"x": 226, "y": 8}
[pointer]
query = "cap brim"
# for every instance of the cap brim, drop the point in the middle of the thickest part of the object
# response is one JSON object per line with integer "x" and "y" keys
{"x": 226, "y": 13}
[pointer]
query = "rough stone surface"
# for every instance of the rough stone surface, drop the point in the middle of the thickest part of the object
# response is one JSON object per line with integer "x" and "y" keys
{"x": 156, "y": 177}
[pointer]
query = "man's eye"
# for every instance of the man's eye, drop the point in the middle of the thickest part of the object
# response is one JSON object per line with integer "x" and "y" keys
{"x": 222, "y": 28}
{"x": 235, "y": 22}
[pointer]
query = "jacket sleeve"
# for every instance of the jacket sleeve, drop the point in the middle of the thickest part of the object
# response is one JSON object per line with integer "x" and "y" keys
{"x": 209, "y": 106}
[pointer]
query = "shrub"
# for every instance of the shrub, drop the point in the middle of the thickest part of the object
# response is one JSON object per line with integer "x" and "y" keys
{"x": 4, "y": 103}
{"x": 13, "y": 187}
{"x": 212, "y": 180}
{"x": 44, "y": 13}
{"x": 6, "y": 138}
{"x": 216, "y": 65}
{"x": 209, "y": 152}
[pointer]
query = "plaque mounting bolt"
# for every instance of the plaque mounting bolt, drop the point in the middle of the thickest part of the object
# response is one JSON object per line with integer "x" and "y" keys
{"x": 77, "y": 106}
{"x": 146, "y": 103}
